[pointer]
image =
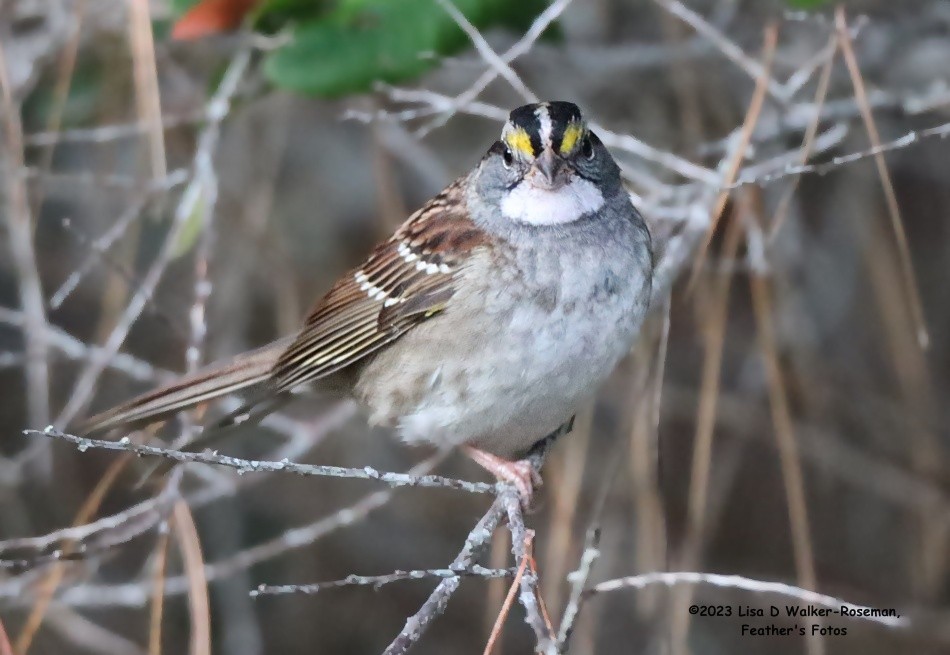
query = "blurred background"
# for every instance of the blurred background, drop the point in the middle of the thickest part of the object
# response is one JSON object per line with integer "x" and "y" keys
{"x": 181, "y": 180}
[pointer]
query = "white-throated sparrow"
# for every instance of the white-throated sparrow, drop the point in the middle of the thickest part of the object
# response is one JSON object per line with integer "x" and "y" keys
{"x": 484, "y": 320}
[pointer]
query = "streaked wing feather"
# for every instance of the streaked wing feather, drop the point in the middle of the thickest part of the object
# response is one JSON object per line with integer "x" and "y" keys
{"x": 219, "y": 379}
{"x": 406, "y": 280}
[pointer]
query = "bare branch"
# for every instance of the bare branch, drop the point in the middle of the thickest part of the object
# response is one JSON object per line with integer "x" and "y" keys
{"x": 218, "y": 109}
{"x": 748, "y": 584}
{"x": 578, "y": 580}
{"x": 243, "y": 466}
{"x": 82, "y": 540}
{"x": 20, "y": 228}
{"x": 488, "y": 54}
{"x": 435, "y": 605}
{"x": 377, "y": 581}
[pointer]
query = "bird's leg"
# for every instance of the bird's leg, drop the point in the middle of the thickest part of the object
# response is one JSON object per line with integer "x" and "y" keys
{"x": 521, "y": 474}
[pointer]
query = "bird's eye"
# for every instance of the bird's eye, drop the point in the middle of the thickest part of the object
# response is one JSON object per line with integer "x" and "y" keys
{"x": 507, "y": 157}
{"x": 588, "y": 148}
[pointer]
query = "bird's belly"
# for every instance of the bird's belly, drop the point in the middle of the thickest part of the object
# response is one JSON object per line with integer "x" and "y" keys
{"x": 501, "y": 380}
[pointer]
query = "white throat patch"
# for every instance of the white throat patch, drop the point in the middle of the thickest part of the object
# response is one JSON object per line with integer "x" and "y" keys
{"x": 529, "y": 204}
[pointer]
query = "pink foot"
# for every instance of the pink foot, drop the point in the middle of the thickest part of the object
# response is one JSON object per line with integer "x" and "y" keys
{"x": 520, "y": 474}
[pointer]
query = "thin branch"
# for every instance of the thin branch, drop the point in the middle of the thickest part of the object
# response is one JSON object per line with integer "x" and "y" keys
{"x": 733, "y": 52}
{"x": 477, "y": 540}
{"x": 81, "y": 540}
{"x": 578, "y": 580}
{"x": 377, "y": 581}
{"x": 910, "y": 138}
{"x": 5, "y": 647}
{"x": 745, "y": 135}
{"x": 434, "y": 606}
{"x": 505, "y": 608}
{"x": 897, "y": 223}
{"x": 44, "y": 591}
{"x": 156, "y": 611}
{"x": 524, "y": 44}
{"x": 108, "y": 133}
{"x": 862, "y": 612}
{"x": 22, "y": 250}
{"x": 189, "y": 544}
{"x": 487, "y": 53}
{"x": 218, "y": 110}
{"x": 243, "y": 466}
{"x": 824, "y": 82}
{"x": 137, "y": 594}
{"x": 115, "y": 231}
{"x": 145, "y": 78}
{"x": 521, "y": 545}
{"x": 789, "y": 458}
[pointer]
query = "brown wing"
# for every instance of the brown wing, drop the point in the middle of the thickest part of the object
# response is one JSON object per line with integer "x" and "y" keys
{"x": 406, "y": 280}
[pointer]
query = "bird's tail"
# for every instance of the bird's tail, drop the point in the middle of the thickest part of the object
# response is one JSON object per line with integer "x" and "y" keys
{"x": 248, "y": 371}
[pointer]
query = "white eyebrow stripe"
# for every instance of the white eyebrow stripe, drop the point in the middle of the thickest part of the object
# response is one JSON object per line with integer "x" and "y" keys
{"x": 546, "y": 126}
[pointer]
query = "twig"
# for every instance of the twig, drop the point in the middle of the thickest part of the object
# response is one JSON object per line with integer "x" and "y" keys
{"x": 435, "y": 605}
{"x": 911, "y": 138}
{"x": 86, "y": 636}
{"x": 137, "y": 594}
{"x": 897, "y": 224}
{"x": 824, "y": 81}
{"x": 5, "y": 647}
{"x": 524, "y": 44}
{"x": 671, "y": 579}
{"x": 108, "y": 133}
{"x": 115, "y": 231}
{"x": 578, "y": 580}
{"x": 145, "y": 79}
{"x": 260, "y": 466}
{"x": 20, "y": 230}
{"x": 678, "y": 165}
{"x": 476, "y": 542}
{"x": 186, "y": 533}
{"x": 701, "y": 464}
{"x": 218, "y": 109}
{"x": 745, "y": 136}
{"x": 789, "y": 458}
{"x": 90, "y": 537}
{"x": 734, "y": 53}
{"x": 505, "y": 609}
{"x": 159, "y": 561}
{"x": 73, "y": 348}
{"x": 521, "y": 544}
{"x": 487, "y": 53}
{"x": 43, "y": 592}
{"x": 377, "y": 581}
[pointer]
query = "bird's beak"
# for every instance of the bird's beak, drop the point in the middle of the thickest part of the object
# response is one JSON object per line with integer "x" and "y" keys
{"x": 548, "y": 170}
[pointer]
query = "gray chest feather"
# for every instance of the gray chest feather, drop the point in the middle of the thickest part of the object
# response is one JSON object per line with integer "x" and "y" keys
{"x": 536, "y": 338}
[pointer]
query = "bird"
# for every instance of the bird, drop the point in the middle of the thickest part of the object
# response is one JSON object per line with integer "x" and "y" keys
{"x": 483, "y": 322}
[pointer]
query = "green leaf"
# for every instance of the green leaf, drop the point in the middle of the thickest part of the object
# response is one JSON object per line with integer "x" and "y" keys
{"x": 363, "y": 41}
{"x": 181, "y": 6}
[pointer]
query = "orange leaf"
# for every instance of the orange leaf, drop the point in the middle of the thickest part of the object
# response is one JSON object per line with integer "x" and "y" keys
{"x": 211, "y": 17}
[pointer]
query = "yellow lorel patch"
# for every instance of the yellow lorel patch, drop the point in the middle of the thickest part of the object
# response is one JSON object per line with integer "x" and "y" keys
{"x": 519, "y": 140}
{"x": 572, "y": 134}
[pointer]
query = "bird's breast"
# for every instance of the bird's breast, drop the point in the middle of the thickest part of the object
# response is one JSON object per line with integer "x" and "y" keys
{"x": 518, "y": 348}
